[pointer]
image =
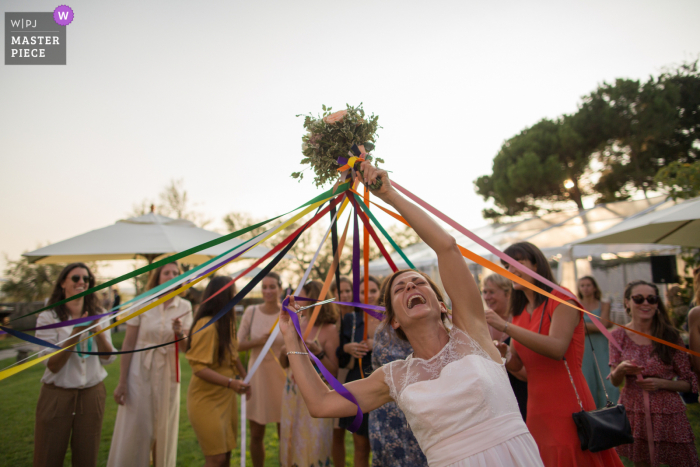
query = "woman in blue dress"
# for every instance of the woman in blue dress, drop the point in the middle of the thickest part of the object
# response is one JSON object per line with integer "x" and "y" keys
{"x": 590, "y": 296}
{"x": 393, "y": 443}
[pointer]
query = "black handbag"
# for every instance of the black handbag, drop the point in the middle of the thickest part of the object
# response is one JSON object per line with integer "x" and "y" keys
{"x": 600, "y": 429}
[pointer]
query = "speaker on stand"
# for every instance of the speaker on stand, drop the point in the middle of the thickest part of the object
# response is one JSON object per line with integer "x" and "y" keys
{"x": 664, "y": 270}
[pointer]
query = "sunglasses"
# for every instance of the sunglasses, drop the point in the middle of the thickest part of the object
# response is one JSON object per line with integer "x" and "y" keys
{"x": 76, "y": 278}
{"x": 651, "y": 299}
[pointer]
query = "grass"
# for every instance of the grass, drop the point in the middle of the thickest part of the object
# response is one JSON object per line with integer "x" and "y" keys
{"x": 20, "y": 393}
{"x": 8, "y": 342}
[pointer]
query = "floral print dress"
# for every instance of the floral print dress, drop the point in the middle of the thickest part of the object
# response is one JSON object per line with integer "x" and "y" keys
{"x": 674, "y": 443}
{"x": 391, "y": 439}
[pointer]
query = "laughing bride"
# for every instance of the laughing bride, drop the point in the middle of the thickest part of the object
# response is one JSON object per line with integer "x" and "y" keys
{"x": 454, "y": 388}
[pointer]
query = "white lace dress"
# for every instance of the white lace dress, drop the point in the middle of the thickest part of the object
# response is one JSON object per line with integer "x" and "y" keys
{"x": 461, "y": 407}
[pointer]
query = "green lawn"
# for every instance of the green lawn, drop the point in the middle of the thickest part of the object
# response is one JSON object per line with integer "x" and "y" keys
{"x": 8, "y": 342}
{"x": 19, "y": 395}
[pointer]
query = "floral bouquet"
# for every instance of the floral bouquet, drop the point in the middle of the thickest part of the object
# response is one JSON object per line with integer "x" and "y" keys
{"x": 334, "y": 137}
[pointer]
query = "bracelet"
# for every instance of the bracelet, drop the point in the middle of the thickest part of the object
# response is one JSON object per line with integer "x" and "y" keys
{"x": 228, "y": 385}
{"x": 505, "y": 329}
{"x": 321, "y": 355}
{"x": 297, "y": 353}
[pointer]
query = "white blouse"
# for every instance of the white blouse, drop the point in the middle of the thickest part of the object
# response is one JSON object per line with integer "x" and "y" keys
{"x": 78, "y": 372}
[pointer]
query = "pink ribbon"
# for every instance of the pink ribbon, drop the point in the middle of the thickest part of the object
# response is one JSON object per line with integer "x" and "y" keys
{"x": 478, "y": 240}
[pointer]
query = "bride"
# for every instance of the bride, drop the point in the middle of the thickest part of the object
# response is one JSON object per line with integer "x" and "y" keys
{"x": 454, "y": 388}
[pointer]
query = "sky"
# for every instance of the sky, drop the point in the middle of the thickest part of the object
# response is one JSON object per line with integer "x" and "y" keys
{"x": 208, "y": 92}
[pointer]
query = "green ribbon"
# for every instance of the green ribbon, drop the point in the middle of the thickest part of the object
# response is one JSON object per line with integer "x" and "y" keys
{"x": 365, "y": 208}
{"x": 327, "y": 194}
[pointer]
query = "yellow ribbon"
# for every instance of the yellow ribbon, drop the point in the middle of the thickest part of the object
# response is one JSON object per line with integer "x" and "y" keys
{"x": 18, "y": 368}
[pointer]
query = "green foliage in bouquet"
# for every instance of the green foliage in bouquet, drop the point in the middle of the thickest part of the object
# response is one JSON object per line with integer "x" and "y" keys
{"x": 331, "y": 135}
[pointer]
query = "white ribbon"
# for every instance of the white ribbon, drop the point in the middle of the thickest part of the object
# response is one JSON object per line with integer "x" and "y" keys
{"x": 271, "y": 339}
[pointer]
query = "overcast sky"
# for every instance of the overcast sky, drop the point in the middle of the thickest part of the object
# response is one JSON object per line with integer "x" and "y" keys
{"x": 208, "y": 92}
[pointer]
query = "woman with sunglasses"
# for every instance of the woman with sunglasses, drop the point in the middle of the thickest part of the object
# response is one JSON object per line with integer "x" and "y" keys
{"x": 72, "y": 400}
{"x": 666, "y": 372}
{"x": 547, "y": 339}
{"x": 148, "y": 392}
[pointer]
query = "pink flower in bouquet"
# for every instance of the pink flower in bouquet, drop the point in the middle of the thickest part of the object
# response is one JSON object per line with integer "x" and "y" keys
{"x": 335, "y": 117}
{"x": 314, "y": 139}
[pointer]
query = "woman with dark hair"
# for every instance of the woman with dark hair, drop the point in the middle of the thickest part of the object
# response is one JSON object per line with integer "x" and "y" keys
{"x": 453, "y": 388}
{"x": 343, "y": 295}
{"x": 213, "y": 355}
{"x": 355, "y": 353}
{"x": 148, "y": 392}
{"x": 392, "y": 442}
{"x": 591, "y": 298}
{"x": 666, "y": 372}
{"x": 71, "y": 379}
{"x": 305, "y": 440}
{"x": 547, "y": 338}
{"x": 268, "y": 381}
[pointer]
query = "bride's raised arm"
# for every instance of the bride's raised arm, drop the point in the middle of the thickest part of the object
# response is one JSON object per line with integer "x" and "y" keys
{"x": 467, "y": 307}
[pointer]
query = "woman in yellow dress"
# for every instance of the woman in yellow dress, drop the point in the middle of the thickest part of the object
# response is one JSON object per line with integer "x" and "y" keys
{"x": 213, "y": 356}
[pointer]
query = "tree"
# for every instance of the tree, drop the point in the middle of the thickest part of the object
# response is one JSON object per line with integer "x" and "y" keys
{"x": 642, "y": 119}
{"x": 174, "y": 201}
{"x": 239, "y": 220}
{"x": 31, "y": 282}
{"x": 629, "y": 129}
{"x": 531, "y": 171}
{"x": 680, "y": 180}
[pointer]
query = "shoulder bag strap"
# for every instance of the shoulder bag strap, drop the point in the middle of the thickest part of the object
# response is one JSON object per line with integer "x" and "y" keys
{"x": 566, "y": 364}
{"x": 597, "y": 367}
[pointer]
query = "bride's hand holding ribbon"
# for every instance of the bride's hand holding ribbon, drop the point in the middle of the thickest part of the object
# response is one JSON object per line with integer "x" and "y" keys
{"x": 371, "y": 175}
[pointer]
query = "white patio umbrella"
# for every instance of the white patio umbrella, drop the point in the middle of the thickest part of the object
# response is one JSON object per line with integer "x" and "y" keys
{"x": 675, "y": 225}
{"x": 150, "y": 237}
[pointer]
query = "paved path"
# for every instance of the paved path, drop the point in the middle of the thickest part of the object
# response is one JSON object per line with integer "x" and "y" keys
{"x": 12, "y": 353}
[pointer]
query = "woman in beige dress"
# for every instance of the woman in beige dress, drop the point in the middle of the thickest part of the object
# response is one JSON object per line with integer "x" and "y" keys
{"x": 268, "y": 381}
{"x": 148, "y": 392}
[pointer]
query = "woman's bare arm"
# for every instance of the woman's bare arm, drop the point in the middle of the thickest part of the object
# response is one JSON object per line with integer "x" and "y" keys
{"x": 552, "y": 345}
{"x": 513, "y": 362}
{"x": 467, "y": 307}
{"x": 322, "y": 402}
{"x": 604, "y": 318}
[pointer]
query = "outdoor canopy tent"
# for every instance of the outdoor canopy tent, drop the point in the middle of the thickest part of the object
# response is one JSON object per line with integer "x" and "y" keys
{"x": 556, "y": 234}
{"x": 677, "y": 224}
{"x": 150, "y": 237}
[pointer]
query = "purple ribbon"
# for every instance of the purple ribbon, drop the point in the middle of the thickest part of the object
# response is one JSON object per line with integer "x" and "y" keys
{"x": 335, "y": 384}
{"x": 73, "y": 322}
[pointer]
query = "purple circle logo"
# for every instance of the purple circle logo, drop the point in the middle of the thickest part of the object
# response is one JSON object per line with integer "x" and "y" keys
{"x": 63, "y": 15}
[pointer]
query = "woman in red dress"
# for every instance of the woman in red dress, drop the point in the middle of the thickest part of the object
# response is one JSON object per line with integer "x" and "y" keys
{"x": 546, "y": 337}
{"x": 674, "y": 443}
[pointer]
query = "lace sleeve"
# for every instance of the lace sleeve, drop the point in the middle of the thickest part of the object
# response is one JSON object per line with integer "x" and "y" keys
{"x": 389, "y": 370}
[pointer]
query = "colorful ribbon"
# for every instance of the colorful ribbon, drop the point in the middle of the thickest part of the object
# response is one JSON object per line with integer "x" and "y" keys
{"x": 332, "y": 381}
{"x": 323, "y": 196}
